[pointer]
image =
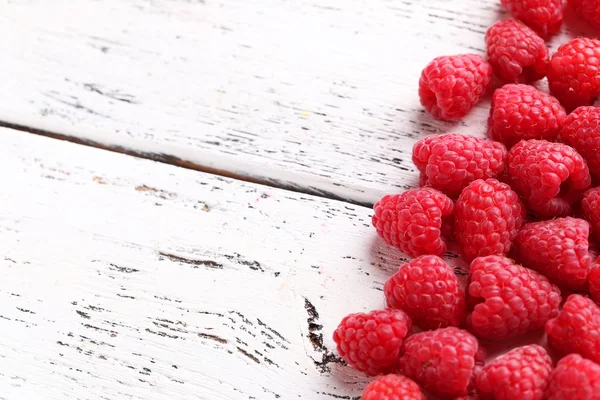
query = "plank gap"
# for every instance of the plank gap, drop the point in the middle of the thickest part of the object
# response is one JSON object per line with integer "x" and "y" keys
{"x": 178, "y": 162}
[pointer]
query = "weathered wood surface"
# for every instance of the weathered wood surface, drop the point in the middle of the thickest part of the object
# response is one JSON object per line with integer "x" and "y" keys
{"x": 129, "y": 279}
{"x": 316, "y": 95}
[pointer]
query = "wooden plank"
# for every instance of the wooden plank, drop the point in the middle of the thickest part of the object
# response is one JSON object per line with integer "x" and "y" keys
{"x": 125, "y": 278}
{"x": 316, "y": 95}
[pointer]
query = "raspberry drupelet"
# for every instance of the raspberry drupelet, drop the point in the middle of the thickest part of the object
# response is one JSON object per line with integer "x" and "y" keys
{"x": 488, "y": 215}
{"x": 576, "y": 329}
{"x": 428, "y": 291}
{"x": 522, "y": 373}
{"x": 371, "y": 342}
{"x": 521, "y": 112}
{"x": 558, "y": 249}
{"x": 416, "y": 221}
{"x": 573, "y": 73}
{"x": 574, "y": 378}
{"x": 450, "y": 86}
{"x": 444, "y": 362}
{"x": 516, "y": 52}
{"x": 451, "y": 161}
{"x": 543, "y": 16}
{"x": 508, "y": 299}
{"x": 392, "y": 387}
{"x": 549, "y": 176}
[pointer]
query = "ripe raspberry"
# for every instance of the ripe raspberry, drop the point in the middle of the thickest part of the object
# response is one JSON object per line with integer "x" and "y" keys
{"x": 573, "y": 73}
{"x": 516, "y": 52}
{"x": 443, "y": 361}
{"x": 450, "y": 162}
{"x": 428, "y": 291}
{"x": 371, "y": 342}
{"x": 543, "y": 16}
{"x": 509, "y": 300}
{"x": 549, "y": 176}
{"x": 591, "y": 209}
{"x": 415, "y": 221}
{"x": 581, "y": 131}
{"x": 576, "y": 329}
{"x": 558, "y": 249}
{"x": 451, "y": 85}
{"x": 588, "y": 10}
{"x": 522, "y": 373}
{"x": 488, "y": 216}
{"x": 574, "y": 378}
{"x": 521, "y": 112}
{"x": 594, "y": 280}
{"x": 392, "y": 387}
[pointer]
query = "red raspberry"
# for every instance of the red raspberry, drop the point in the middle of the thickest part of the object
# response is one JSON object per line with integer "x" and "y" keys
{"x": 549, "y": 176}
{"x": 371, "y": 342}
{"x": 591, "y": 209}
{"x": 443, "y": 361}
{"x": 594, "y": 280}
{"x": 573, "y": 73}
{"x": 450, "y": 162}
{"x": 488, "y": 216}
{"x": 516, "y": 52}
{"x": 415, "y": 221}
{"x": 581, "y": 131}
{"x": 574, "y": 378}
{"x": 392, "y": 387}
{"x": 558, "y": 249}
{"x": 588, "y": 10}
{"x": 521, "y": 112}
{"x": 428, "y": 291}
{"x": 576, "y": 329}
{"x": 451, "y": 85}
{"x": 509, "y": 300}
{"x": 543, "y": 16}
{"x": 522, "y": 373}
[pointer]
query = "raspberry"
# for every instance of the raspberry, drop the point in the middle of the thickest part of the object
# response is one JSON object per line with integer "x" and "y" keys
{"x": 392, "y": 387}
{"x": 516, "y": 52}
{"x": 488, "y": 216}
{"x": 415, "y": 221}
{"x": 549, "y": 176}
{"x": 573, "y": 73}
{"x": 371, "y": 342}
{"x": 558, "y": 249}
{"x": 576, "y": 329}
{"x": 588, "y": 10}
{"x": 451, "y": 85}
{"x": 428, "y": 291}
{"x": 591, "y": 209}
{"x": 581, "y": 131}
{"x": 543, "y": 16}
{"x": 574, "y": 378}
{"x": 522, "y": 373}
{"x": 443, "y": 361}
{"x": 594, "y": 280}
{"x": 521, "y": 112}
{"x": 509, "y": 300}
{"x": 450, "y": 162}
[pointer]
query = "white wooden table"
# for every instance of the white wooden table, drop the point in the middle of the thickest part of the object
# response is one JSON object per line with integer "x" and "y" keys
{"x": 207, "y": 222}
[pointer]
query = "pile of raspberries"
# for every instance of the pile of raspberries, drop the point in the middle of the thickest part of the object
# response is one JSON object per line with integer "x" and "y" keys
{"x": 523, "y": 211}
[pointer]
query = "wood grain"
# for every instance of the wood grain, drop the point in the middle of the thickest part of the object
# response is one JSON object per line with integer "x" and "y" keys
{"x": 319, "y": 96}
{"x": 130, "y": 279}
